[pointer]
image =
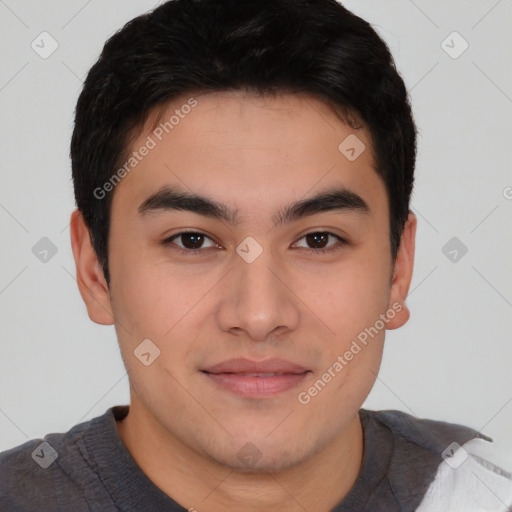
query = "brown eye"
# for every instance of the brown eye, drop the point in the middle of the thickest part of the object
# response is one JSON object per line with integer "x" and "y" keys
{"x": 318, "y": 241}
{"x": 190, "y": 241}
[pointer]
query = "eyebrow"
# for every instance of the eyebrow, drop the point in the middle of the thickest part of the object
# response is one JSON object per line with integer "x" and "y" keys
{"x": 333, "y": 200}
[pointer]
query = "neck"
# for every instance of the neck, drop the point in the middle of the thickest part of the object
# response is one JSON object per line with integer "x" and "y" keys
{"x": 198, "y": 483}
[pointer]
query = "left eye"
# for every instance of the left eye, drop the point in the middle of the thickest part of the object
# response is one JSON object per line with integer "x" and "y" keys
{"x": 321, "y": 238}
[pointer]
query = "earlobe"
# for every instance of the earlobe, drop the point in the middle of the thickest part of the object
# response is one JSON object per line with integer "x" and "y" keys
{"x": 89, "y": 274}
{"x": 402, "y": 274}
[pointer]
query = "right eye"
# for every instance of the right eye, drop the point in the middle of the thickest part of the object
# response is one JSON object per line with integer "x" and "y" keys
{"x": 191, "y": 242}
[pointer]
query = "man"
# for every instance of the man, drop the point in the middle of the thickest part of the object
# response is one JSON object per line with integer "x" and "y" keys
{"x": 242, "y": 174}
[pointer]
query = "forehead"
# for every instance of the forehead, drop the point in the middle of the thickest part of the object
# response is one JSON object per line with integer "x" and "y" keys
{"x": 249, "y": 150}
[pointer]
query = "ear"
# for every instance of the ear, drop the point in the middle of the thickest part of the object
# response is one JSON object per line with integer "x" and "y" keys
{"x": 89, "y": 274}
{"x": 402, "y": 274}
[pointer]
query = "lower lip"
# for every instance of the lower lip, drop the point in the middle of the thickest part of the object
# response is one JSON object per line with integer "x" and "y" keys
{"x": 257, "y": 386}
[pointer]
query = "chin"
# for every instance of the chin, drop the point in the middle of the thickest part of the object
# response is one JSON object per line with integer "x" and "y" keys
{"x": 262, "y": 456}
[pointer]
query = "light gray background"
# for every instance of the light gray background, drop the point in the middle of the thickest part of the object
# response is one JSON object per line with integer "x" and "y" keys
{"x": 452, "y": 361}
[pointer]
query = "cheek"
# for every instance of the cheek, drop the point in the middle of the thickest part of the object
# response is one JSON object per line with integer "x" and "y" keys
{"x": 348, "y": 297}
{"x": 146, "y": 298}
{"x": 134, "y": 301}
{"x": 154, "y": 301}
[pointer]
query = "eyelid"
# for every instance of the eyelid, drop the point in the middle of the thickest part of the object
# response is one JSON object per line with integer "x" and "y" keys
{"x": 170, "y": 239}
{"x": 341, "y": 241}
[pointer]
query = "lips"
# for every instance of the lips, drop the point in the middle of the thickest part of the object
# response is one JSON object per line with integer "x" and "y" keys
{"x": 246, "y": 366}
{"x": 256, "y": 378}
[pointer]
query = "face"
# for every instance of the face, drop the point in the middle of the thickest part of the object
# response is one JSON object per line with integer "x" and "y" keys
{"x": 266, "y": 320}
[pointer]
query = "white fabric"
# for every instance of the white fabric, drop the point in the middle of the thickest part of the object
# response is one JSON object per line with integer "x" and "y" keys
{"x": 470, "y": 482}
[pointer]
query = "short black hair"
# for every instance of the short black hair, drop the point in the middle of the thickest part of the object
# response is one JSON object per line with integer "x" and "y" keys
{"x": 316, "y": 47}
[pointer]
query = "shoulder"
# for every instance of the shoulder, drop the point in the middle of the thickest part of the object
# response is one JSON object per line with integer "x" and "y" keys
{"x": 469, "y": 479}
{"x": 30, "y": 474}
{"x": 432, "y": 435}
{"x": 46, "y": 470}
{"x": 461, "y": 462}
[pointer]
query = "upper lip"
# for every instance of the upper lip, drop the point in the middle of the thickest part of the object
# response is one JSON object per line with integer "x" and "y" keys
{"x": 241, "y": 365}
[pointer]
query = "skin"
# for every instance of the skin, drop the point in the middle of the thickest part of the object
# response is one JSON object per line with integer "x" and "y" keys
{"x": 255, "y": 155}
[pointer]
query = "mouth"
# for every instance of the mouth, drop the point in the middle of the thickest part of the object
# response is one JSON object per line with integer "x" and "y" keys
{"x": 256, "y": 378}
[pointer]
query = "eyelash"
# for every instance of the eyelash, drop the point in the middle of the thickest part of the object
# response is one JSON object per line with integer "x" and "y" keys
{"x": 197, "y": 252}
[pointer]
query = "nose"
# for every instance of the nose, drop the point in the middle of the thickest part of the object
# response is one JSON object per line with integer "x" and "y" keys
{"x": 258, "y": 299}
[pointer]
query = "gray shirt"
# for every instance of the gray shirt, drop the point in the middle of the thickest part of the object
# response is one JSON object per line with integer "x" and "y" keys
{"x": 88, "y": 468}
